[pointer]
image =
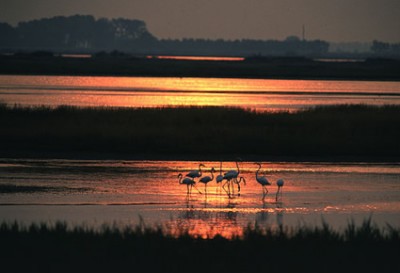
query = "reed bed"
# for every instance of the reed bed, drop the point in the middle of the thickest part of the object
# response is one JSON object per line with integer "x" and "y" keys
{"x": 334, "y": 131}
{"x": 59, "y": 248}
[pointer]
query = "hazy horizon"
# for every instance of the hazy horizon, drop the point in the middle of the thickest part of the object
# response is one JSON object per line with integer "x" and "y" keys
{"x": 333, "y": 21}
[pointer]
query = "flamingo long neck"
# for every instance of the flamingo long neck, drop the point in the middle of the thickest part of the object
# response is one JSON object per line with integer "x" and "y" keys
{"x": 237, "y": 165}
{"x": 212, "y": 174}
{"x": 259, "y": 167}
{"x": 180, "y": 178}
{"x": 200, "y": 172}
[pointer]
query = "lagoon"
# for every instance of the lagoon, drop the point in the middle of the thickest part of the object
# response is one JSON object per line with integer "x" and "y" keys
{"x": 124, "y": 192}
{"x": 256, "y": 94}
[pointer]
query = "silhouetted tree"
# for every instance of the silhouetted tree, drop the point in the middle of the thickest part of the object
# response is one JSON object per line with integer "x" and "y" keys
{"x": 379, "y": 47}
{"x": 84, "y": 32}
{"x": 8, "y": 35}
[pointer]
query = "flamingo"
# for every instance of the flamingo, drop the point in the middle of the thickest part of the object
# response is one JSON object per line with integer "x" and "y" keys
{"x": 195, "y": 173}
{"x": 189, "y": 184}
{"x": 232, "y": 174}
{"x": 206, "y": 179}
{"x": 263, "y": 181}
{"x": 220, "y": 177}
{"x": 240, "y": 181}
{"x": 280, "y": 183}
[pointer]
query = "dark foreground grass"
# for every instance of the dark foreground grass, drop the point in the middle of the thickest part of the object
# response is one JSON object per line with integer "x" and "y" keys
{"x": 358, "y": 131}
{"x": 57, "y": 248}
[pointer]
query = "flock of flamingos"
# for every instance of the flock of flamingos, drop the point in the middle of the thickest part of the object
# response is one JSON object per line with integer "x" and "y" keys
{"x": 231, "y": 178}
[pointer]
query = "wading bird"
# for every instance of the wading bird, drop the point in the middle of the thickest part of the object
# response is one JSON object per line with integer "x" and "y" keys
{"x": 263, "y": 181}
{"x": 280, "y": 183}
{"x": 195, "y": 173}
{"x": 189, "y": 182}
{"x": 231, "y": 175}
{"x": 206, "y": 179}
{"x": 238, "y": 183}
{"x": 219, "y": 177}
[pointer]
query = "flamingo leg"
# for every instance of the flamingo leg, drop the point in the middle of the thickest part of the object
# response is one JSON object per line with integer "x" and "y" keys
{"x": 197, "y": 189}
{"x": 223, "y": 186}
{"x": 264, "y": 192}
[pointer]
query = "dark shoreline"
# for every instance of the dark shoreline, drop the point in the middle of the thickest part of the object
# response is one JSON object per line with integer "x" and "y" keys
{"x": 261, "y": 68}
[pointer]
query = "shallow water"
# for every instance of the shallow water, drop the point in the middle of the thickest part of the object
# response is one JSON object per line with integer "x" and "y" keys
{"x": 121, "y": 192}
{"x": 258, "y": 94}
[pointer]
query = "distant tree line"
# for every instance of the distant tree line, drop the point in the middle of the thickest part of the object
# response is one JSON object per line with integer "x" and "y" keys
{"x": 79, "y": 32}
{"x": 84, "y": 33}
{"x": 385, "y": 49}
{"x": 244, "y": 47}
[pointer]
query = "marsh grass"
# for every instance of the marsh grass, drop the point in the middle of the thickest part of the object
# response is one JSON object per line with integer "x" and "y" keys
{"x": 345, "y": 130}
{"x": 59, "y": 248}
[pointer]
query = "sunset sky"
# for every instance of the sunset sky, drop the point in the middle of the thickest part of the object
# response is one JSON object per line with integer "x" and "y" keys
{"x": 331, "y": 20}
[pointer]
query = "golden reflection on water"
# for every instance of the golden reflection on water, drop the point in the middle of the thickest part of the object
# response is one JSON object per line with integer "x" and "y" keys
{"x": 121, "y": 190}
{"x": 259, "y": 94}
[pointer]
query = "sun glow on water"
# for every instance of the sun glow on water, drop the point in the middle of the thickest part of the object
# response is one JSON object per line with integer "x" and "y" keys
{"x": 94, "y": 192}
{"x": 257, "y": 94}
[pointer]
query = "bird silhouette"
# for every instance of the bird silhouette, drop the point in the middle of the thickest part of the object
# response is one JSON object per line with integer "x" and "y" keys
{"x": 195, "y": 173}
{"x": 189, "y": 182}
{"x": 229, "y": 176}
{"x": 280, "y": 183}
{"x": 263, "y": 181}
{"x": 207, "y": 179}
{"x": 238, "y": 183}
{"x": 219, "y": 177}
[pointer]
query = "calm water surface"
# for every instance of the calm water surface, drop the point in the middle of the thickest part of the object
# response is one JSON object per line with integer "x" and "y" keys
{"x": 120, "y": 192}
{"x": 270, "y": 95}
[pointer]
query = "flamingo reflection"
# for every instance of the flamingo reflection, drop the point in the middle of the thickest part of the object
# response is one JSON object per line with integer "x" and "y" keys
{"x": 262, "y": 215}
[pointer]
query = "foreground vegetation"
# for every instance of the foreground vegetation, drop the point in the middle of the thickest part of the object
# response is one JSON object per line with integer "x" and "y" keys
{"x": 57, "y": 248}
{"x": 345, "y": 132}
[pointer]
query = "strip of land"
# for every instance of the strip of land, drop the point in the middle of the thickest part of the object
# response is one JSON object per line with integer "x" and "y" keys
{"x": 263, "y": 68}
{"x": 335, "y": 133}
